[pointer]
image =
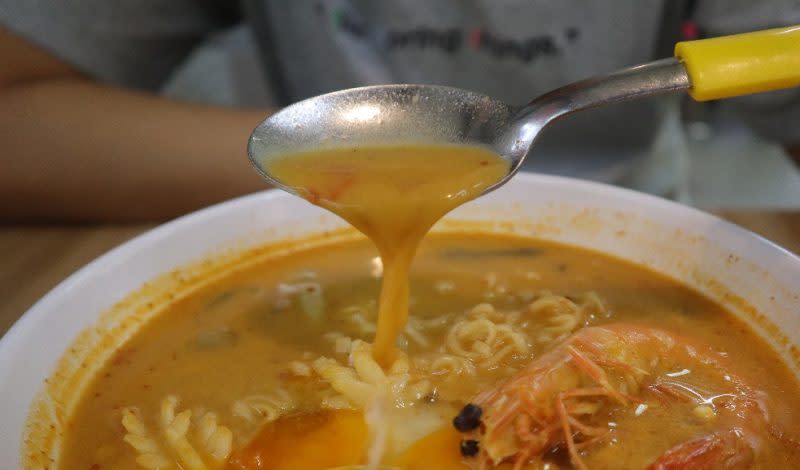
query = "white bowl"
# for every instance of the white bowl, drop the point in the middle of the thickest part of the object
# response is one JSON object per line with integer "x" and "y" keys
{"x": 751, "y": 276}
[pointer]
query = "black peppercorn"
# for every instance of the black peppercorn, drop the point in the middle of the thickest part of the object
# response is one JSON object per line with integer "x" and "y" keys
{"x": 468, "y": 419}
{"x": 469, "y": 448}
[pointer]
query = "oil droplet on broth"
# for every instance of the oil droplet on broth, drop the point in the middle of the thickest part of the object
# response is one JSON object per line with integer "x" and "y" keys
{"x": 392, "y": 194}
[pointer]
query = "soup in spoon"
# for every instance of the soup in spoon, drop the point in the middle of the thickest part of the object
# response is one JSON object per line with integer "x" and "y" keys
{"x": 393, "y": 195}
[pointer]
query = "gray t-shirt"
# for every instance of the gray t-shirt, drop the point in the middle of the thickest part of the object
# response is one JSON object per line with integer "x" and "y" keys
{"x": 273, "y": 52}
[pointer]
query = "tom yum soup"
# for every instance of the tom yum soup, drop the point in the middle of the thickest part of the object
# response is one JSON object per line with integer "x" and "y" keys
{"x": 489, "y": 351}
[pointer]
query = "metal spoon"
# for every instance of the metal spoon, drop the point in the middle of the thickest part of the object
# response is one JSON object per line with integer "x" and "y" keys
{"x": 425, "y": 114}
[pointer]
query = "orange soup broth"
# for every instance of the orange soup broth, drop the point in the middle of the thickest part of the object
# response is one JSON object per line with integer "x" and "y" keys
{"x": 235, "y": 338}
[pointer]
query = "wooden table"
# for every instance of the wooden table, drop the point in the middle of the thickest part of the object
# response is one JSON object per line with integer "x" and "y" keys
{"x": 33, "y": 259}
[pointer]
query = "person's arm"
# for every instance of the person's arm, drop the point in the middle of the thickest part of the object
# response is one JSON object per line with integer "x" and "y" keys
{"x": 73, "y": 149}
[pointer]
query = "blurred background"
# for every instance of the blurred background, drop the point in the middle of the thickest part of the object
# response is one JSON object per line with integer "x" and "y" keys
{"x": 115, "y": 112}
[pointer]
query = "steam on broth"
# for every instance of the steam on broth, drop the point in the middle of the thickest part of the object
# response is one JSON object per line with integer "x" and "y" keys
{"x": 493, "y": 351}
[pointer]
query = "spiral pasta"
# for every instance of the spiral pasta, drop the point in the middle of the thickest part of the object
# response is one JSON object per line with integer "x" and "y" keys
{"x": 363, "y": 379}
{"x": 212, "y": 445}
{"x": 151, "y": 456}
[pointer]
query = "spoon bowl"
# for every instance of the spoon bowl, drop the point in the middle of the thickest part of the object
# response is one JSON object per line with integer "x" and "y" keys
{"x": 382, "y": 115}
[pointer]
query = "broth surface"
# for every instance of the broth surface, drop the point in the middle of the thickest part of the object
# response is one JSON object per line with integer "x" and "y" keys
{"x": 247, "y": 350}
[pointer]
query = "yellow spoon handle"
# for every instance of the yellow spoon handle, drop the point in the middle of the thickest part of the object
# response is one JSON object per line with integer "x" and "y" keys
{"x": 742, "y": 64}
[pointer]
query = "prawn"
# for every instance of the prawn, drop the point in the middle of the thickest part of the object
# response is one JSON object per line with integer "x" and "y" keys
{"x": 550, "y": 404}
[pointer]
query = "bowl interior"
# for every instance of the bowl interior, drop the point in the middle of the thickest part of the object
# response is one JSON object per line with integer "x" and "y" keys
{"x": 752, "y": 277}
